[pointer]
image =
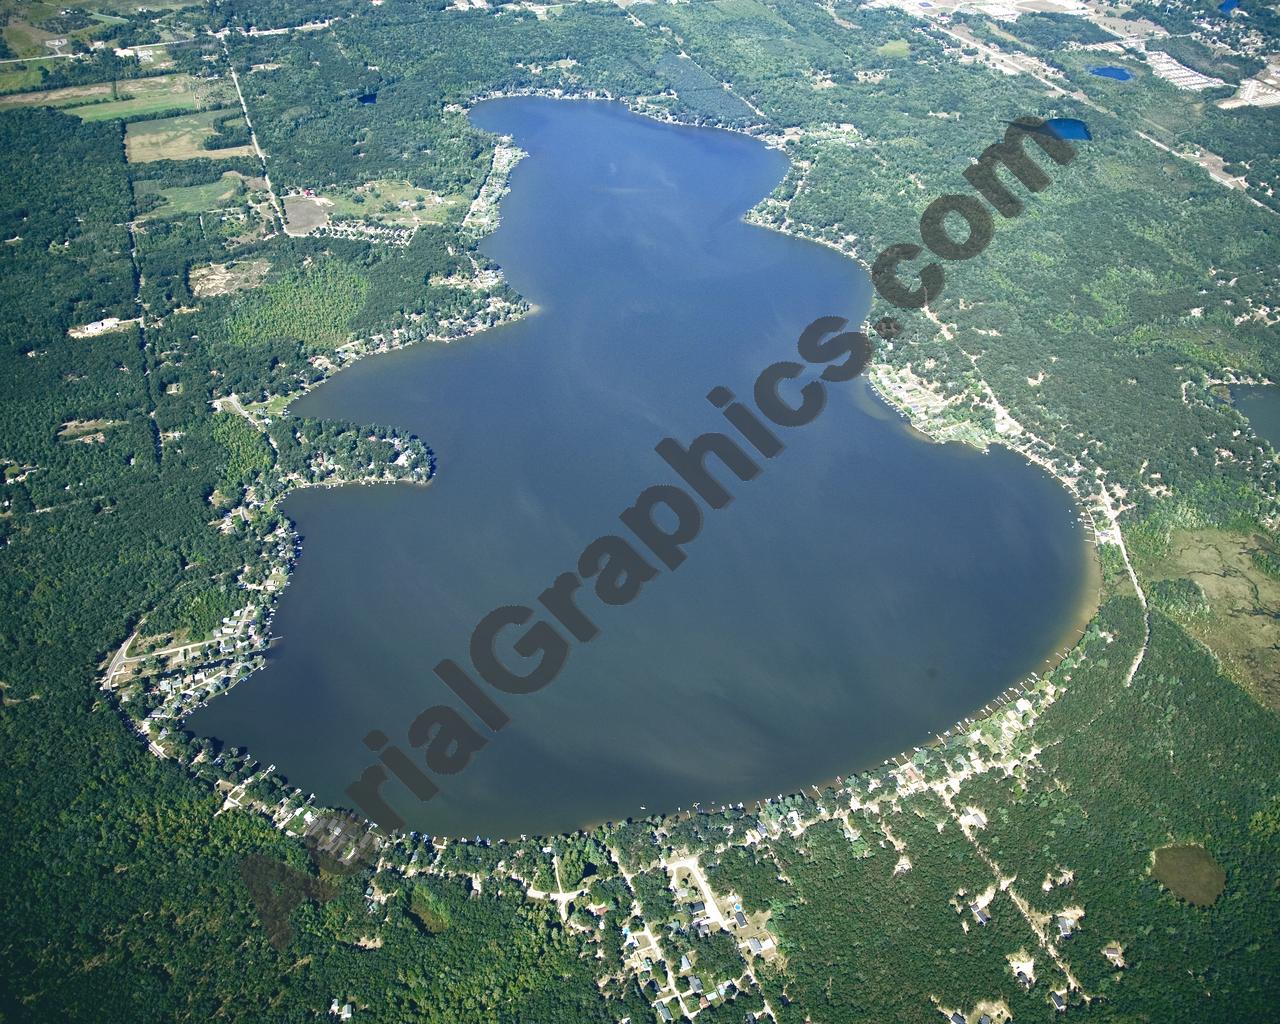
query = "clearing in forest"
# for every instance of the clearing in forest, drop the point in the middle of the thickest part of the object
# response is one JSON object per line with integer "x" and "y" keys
{"x": 394, "y": 203}
{"x": 1237, "y": 578}
{"x": 100, "y": 101}
{"x": 180, "y": 138}
{"x": 303, "y": 214}
{"x": 177, "y": 200}
{"x": 1190, "y": 872}
{"x": 227, "y": 278}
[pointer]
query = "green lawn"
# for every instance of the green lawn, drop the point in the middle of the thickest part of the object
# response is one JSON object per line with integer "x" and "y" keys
{"x": 895, "y": 48}
{"x": 157, "y": 104}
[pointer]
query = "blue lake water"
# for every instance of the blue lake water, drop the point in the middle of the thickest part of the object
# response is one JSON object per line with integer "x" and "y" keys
{"x": 864, "y": 591}
{"x": 1119, "y": 74}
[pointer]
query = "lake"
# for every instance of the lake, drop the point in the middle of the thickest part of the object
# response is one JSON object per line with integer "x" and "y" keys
{"x": 1119, "y": 74}
{"x": 1260, "y": 405}
{"x": 866, "y": 590}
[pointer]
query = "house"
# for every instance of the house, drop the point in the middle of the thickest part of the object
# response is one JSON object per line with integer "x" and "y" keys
{"x": 664, "y": 1013}
{"x": 985, "y": 1019}
{"x": 1023, "y": 979}
{"x": 754, "y": 945}
{"x": 741, "y": 918}
{"x": 695, "y": 985}
{"x": 698, "y": 907}
{"x": 1059, "y": 1003}
{"x": 958, "y": 1018}
{"x": 684, "y": 963}
{"x": 1066, "y": 927}
{"x": 981, "y": 914}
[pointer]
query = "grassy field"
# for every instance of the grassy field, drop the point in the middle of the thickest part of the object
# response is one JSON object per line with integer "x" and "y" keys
{"x": 394, "y": 202}
{"x": 18, "y": 77}
{"x": 273, "y": 407}
{"x": 73, "y": 96}
{"x": 129, "y": 97}
{"x": 157, "y": 104}
{"x": 179, "y": 138}
{"x": 213, "y": 195}
{"x": 895, "y": 48}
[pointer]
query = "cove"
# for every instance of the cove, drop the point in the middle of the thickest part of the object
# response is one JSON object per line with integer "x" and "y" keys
{"x": 865, "y": 591}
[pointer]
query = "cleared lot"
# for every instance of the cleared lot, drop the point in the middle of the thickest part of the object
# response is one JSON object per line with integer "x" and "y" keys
{"x": 179, "y": 138}
{"x": 101, "y": 101}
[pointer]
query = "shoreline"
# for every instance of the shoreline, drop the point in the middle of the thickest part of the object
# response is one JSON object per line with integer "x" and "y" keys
{"x": 1074, "y": 630}
{"x": 398, "y": 338}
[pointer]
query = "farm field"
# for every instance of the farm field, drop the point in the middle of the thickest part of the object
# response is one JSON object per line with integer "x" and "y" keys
{"x": 19, "y": 76}
{"x": 128, "y": 98}
{"x": 69, "y": 97}
{"x": 201, "y": 198}
{"x": 179, "y": 138}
